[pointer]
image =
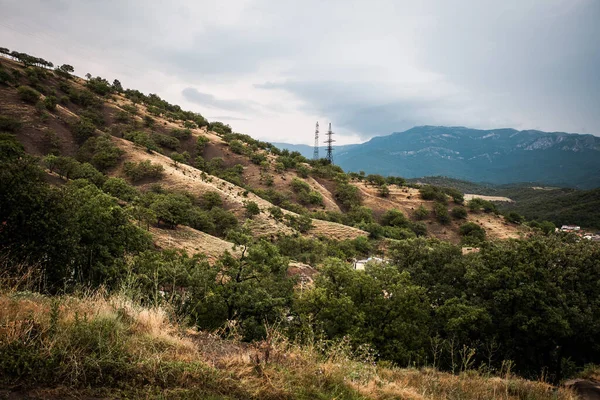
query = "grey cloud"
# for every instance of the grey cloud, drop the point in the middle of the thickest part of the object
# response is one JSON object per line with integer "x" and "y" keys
{"x": 346, "y": 106}
{"x": 226, "y": 118}
{"x": 519, "y": 63}
{"x": 208, "y": 100}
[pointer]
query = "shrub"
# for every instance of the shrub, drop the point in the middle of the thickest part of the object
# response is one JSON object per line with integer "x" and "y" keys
{"x": 252, "y": 209}
{"x": 441, "y": 213}
{"x": 419, "y": 228}
{"x": 514, "y": 217}
{"x": 459, "y": 213}
{"x": 384, "y": 190}
{"x": 276, "y": 213}
{"x": 50, "y": 102}
{"x": 210, "y": 200}
{"x": 142, "y": 139}
{"x": 83, "y": 129}
{"x": 224, "y": 221}
{"x": 101, "y": 152}
{"x": 9, "y": 124}
{"x": 181, "y": 133}
{"x": 429, "y": 192}
{"x": 237, "y": 147}
{"x": 201, "y": 143}
{"x": 347, "y": 195}
{"x": 87, "y": 171}
{"x": 120, "y": 189}
{"x": 28, "y": 94}
{"x": 421, "y": 212}
{"x": 394, "y": 218}
{"x": 143, "y": 170}
{"x": 472, "y": 233}
{"x": 302, "y": 171}
{"x": 178, "y": 157}
{"x": 169, "y": 142}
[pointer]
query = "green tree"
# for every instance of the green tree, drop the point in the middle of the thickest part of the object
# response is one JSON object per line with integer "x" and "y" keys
{"x": 459, "y": 213}
{"x": 472, "y": 233}
{"x": 252, "y": 209}
{"x": 120, "y": 189}
{"x": 210, "y": 199}
{"x": 441, "y": 213}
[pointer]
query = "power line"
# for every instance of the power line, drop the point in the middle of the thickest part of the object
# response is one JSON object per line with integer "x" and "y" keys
{"x": 329, "y": 142}
{"x": 316, "y": 150}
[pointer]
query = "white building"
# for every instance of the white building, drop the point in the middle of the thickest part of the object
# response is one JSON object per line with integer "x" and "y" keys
{"x": 359, "y": 265}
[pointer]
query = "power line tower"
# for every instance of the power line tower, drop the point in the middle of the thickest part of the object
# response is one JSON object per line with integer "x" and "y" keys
{"x": 329, "y": 142}
{"x": 316, "y": 150}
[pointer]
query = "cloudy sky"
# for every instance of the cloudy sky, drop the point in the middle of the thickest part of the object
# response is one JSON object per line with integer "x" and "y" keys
{"x": 271, "y": 68}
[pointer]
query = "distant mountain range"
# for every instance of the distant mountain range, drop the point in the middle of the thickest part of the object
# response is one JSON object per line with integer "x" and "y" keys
{"x": 497, "y": 156}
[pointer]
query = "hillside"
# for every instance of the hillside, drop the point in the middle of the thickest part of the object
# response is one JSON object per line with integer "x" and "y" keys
{"x": 238, "y": 168}
{"x": 562, "y": 206}
{"x": 123, "y": 350}
{"x": 144, "y": 249}
{"x": 497, "y": 156}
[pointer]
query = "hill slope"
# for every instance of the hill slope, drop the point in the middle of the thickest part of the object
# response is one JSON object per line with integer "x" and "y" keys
{"x": 237, "y": 168}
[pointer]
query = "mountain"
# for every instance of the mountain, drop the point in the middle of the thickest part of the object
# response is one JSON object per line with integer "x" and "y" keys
{"x": 308, "y": 151}
{"x": 497, "y": 156}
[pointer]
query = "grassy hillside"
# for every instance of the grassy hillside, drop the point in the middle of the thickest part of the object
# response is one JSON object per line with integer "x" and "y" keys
{"x": 110, "y": 347}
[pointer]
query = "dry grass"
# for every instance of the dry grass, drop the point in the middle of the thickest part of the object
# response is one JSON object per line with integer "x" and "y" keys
{"x": 144, "y": 354}
{"x": 191, "y": 241}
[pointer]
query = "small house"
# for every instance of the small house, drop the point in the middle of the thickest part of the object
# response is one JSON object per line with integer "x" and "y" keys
{"x": 359, "y": 265}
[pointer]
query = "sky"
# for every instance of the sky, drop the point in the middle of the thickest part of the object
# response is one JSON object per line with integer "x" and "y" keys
{"x": 271, "y": 69}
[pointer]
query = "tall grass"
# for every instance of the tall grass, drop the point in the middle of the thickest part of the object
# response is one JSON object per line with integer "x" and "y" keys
{"x": 110, "y": 346}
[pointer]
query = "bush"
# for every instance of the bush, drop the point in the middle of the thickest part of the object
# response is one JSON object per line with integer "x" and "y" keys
{"x": 28, "y": 94}
{"x": 394, "y": 218}
{"x": 459, "y": 213}
{"x": 237, "y": 147}
{"x": 101, "y": 152}
{"x": 50, "y": 102}
{"x": 201, "y": 144}
{"x": 224, "y": 221}
{"x": 87, "y": 171}
{"x": 514, "y": 217}
{"x": 120, "y": 189}
{"x": 347, "y": 195}
{"x": 429, "y": 192}
{"x": 184, "y": 133}
{"x": 208, "y": 200}
{"x": 169, "y": 142}
{"x": 472, "y": 233}
{"x": 252, "y": 209}
{"x": 143, "y": 170}
{"x": 142, "y": 139}
{"x": 441, "y": 213}
{"x": 83, "y": 129}
{"x": 421, "y": 213}
{"x": 9, "y": 124}
{"x": 384, "y": 191}
{"x": 276, "y": 213}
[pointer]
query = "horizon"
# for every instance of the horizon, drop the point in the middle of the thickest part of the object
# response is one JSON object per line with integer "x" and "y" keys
{"x": 270, "y": 70}
{"x": 441, "y": 126}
